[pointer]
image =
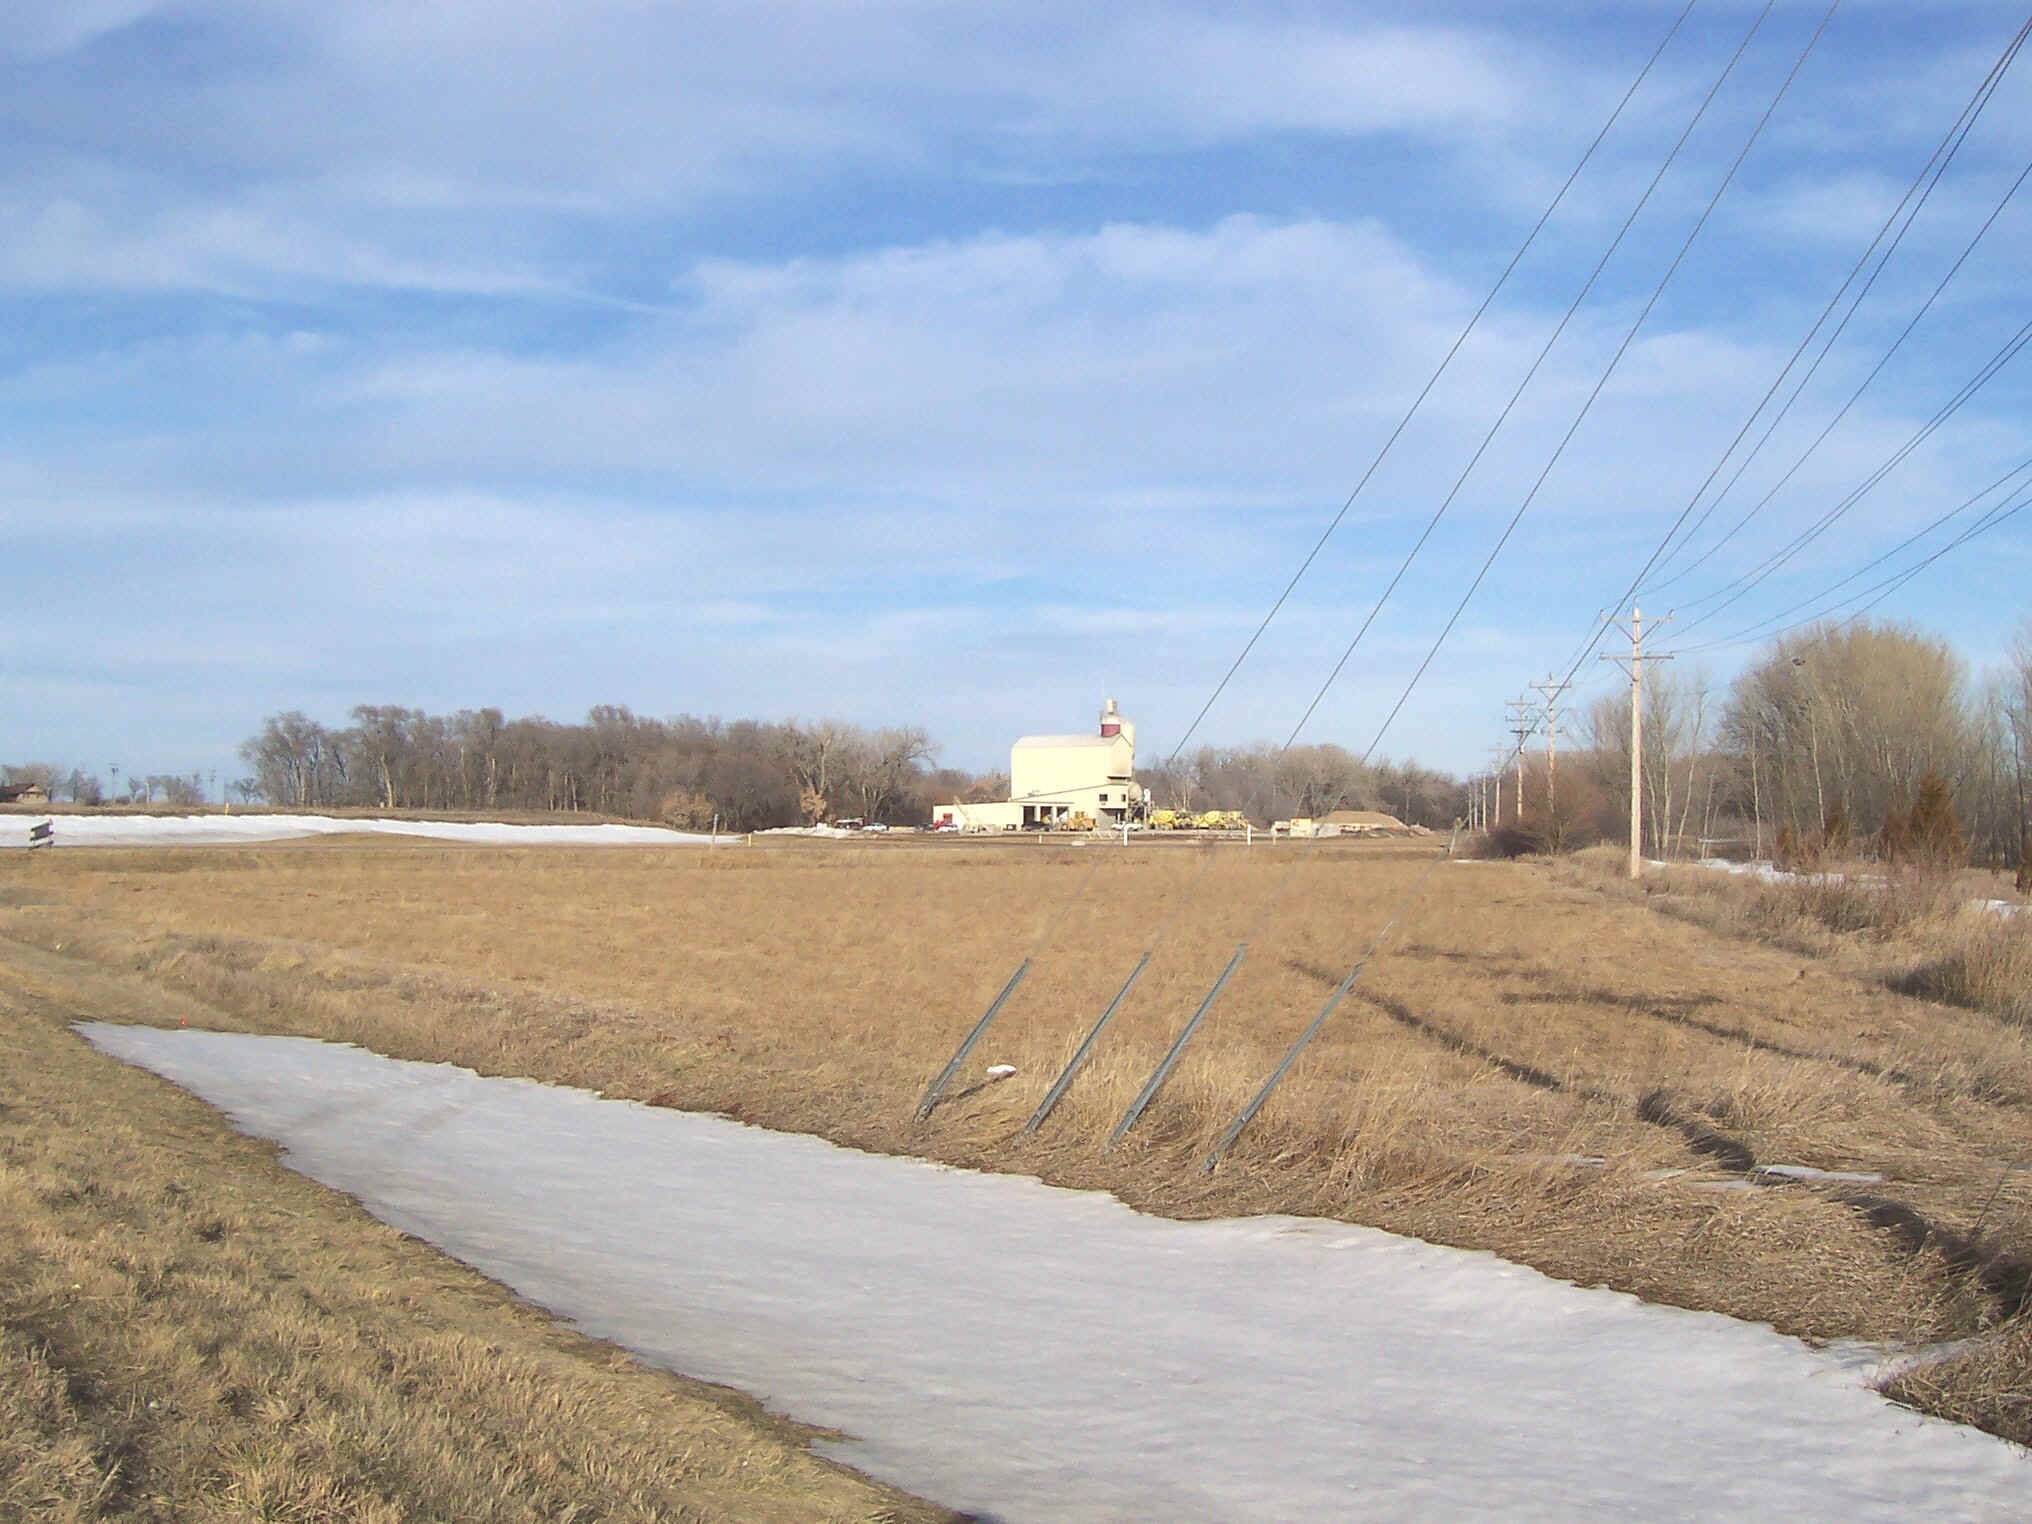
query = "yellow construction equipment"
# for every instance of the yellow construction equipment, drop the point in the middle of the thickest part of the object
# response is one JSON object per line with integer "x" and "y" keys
{"x": 1078, "y": 820}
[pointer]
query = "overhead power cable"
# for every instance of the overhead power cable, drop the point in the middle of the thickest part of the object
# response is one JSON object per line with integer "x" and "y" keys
{"x": 1989, "y": 520}
{"x": 1614, "y": 360}
{"x": 1877, "y": 592}
{"x": 1985, "y": 522}
{"x": 1587, "y": 646}
{"x": 1749, "y": 579}
{"x": 1745, "y": 584}
{"x": 1917, "y": 194}
{"x": 1425, "y": 391}
{"x": 1516, "y": 395}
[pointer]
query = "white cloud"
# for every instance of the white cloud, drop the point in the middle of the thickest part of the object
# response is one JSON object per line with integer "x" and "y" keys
{"x": 802, "y": 356}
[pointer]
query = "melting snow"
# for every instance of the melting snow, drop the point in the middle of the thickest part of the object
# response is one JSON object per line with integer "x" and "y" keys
{"x": 1771, "y": 873}
{"x": 1034, "y": 1353}
{"x": 211, "y": 830}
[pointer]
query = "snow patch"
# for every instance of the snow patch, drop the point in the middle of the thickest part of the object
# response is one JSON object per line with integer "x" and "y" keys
{"x": 214, "y": 830}
{"x": 1771, "y": 873}
{"x": 1034, "y": 1353}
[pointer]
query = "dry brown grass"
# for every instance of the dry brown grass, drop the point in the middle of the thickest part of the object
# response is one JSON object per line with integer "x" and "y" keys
{"x": 1523, "y": 1015}
{"x": 1979, "y": 961}
{"x": 188, "y": 1331}
{"x": 1921, "y": 933}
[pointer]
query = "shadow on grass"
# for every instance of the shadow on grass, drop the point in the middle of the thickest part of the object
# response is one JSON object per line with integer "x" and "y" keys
{"x": 1678, "y": 1012}
{"x": 2004, "y": 1277}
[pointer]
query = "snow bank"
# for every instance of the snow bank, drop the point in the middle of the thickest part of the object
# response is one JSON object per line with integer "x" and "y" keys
{"x": 212, "y": 830}
{"x": 1034, "y": 1353}
{"x": 1771, "y": 873}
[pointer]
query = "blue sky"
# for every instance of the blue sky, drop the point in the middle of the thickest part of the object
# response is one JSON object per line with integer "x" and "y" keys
{"x": 945, "y": 365}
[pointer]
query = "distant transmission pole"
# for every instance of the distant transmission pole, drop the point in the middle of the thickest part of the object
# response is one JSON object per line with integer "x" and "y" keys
{"x": 1521, "y": 723}
{"x": 1497, "y": 757}
{"x": 1552, "y": 688}
{"x": 1636, "y": 670}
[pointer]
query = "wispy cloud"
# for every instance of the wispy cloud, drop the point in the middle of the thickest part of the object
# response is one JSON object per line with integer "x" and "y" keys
{"x": 802, "y": 357}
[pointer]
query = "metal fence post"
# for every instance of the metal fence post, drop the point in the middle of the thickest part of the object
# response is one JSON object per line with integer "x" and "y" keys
{"x": 1170, "y": 1060}
{"x": 1063, "y": 1083}
{"x": 945, "y": 1075}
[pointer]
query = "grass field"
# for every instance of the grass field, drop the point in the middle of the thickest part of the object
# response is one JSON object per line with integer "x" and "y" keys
{"x": 1523, "y": 1018}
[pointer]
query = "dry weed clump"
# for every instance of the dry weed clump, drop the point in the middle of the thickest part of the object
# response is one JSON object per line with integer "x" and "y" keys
{"x": 1533, "y": 1065}
{"x": 1973, "y": 1382}
{"x": 1914, "y": 923}
{"x": 1980, "y": 960}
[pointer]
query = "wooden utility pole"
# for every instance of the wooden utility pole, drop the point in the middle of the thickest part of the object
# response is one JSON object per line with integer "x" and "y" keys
{"x": 1521, "y": 722}
{"x": 1497, "y": 757}
{"x": 1552, "y": 688}
{"x": 1636, "y": 671}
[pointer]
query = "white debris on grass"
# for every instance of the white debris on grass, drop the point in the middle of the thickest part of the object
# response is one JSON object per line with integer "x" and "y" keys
{"x": 1033, "y": 1353}
{"x": 215, "y": 830}
{"x": 1808, "y": 1173}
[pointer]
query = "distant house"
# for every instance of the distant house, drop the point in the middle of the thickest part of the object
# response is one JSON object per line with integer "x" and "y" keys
{"x": 27, "y": 793}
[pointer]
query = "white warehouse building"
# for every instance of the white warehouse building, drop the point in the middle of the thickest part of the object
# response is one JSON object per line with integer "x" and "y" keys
{"x": 1052, "y": 778}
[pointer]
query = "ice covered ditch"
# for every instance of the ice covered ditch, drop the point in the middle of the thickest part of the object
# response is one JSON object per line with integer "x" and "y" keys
{"x": 1033, "y": 1353}
{"x": 214, "y": 830}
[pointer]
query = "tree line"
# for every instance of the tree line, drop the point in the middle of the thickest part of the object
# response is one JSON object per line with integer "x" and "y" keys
{"x": 750, "y": 775}
{"x": 686, "y": 771}
{"x": 1268, "y": 783}
{"x": 1834, "y": 732}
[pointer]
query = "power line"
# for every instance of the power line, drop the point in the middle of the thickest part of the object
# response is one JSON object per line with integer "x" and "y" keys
{"x": 1883, "y": 589}
{"x": 1929, "y": 176}
{"x": 1165, "y": 1065}
{"x": 1750, "y": 579}
{"x": 1745, "y": 584}
{"x": 1425, "y": 391}
{"x": 1868, "y": 566}
{"x": 1614, "y": 361}
{"x": 1517, "y": 394}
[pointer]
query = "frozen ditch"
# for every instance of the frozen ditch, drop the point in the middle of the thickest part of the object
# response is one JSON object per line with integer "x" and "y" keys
{"x": 1034, "y": 1353}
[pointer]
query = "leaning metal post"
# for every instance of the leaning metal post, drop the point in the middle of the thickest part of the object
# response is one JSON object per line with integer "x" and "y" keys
{"x": 1163, "y": 1071}
{"x": 1249, "y": 1111}
{"x": 945, "y": 1075}
{"x": 1063, "y": 1083}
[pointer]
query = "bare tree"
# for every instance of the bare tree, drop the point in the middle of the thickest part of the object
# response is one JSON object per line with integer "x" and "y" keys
{"x": 1840, "y": 721}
